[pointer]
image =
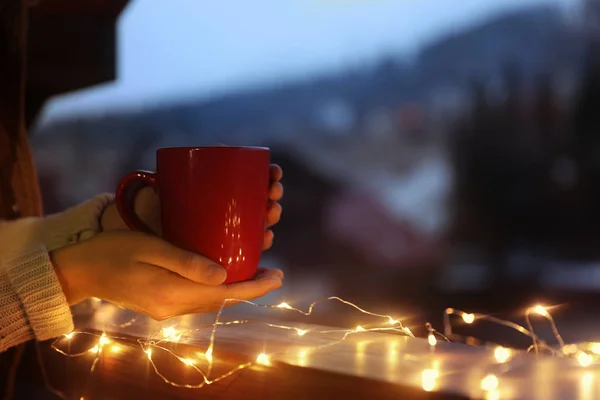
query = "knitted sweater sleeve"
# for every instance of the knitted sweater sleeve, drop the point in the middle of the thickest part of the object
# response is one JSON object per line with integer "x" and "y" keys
{"x": 32, "y": 303}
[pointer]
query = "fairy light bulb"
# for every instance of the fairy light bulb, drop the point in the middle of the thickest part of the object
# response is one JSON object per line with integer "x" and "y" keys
{"x": 540, "y": 310}
{"x": 489, "y": 383}
{"x": 594, "y": 348}
{"x": 301, "y": 332}
{"x": 208, "y": 354}
{"x": 359, "y": 329}
{"x": 103, "y": 340}
{"x": 502, "y": 354}
{"x": 95, "y": 349}
{"x": 69, "y": 336}
{"x": 263, "y": 359}
{"x": 393, "y": 321}
{"x": 584, "y": 359}
{"x": 115, "y": 348}
{"x": 431, "y": 339}
{"x": 468, "y": 318}
{"x": 148, "y": 353}
{"x": 188, "y": 361}
{"x": 284, "y": 305}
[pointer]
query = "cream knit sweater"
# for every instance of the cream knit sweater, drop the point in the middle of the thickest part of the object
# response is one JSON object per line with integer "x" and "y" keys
{"x": 32, "y": 303}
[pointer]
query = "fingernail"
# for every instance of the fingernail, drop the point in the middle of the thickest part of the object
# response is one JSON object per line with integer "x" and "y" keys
{"x": 216, "y": 273}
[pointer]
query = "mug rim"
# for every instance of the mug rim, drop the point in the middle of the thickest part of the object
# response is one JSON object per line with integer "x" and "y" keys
{"x": 193, "y": 148}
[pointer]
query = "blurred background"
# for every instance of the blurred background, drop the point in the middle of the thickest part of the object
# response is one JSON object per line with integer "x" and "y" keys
{"x": 436, "y": 153}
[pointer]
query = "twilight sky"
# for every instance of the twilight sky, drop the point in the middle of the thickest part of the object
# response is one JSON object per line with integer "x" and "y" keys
{"x": 173, "y": 49}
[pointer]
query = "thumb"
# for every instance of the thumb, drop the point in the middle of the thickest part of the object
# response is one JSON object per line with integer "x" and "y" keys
{"x": 189, "y": 265}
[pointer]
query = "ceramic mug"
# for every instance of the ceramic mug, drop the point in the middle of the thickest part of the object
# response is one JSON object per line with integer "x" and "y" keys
{"x": 213, "y": 201}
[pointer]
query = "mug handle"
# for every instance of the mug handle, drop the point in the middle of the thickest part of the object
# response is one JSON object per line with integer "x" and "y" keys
{"x": 126, "y": 206}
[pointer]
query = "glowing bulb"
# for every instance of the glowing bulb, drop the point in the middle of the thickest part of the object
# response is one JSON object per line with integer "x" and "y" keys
{"x": 148, "y": 353}
{"x": 263, "y": 359}
{"x": 359, "y": 329}
{"x": 171, "y": 333}
{"x": 492, "y": 395}
{"x": 393, "y": 321}
{"x": 594, "y": 348}
{"x": 103, "y": 340}
{"x": 115, "y": 348}
{"x": 407, "y": 331}
{"x": 584, "y": 359}
{"x": 428, "y": 378}
{"x": 540, "y": 310}
{"x": 468, "y": 318}
{"x": 431, "y": 339}
{"x": 502, "y": 354}
{"x": 489, "y": 383}
{"x": 95, "y": 349}
{"x": 188, "y": 361}
{"x": 284, "y": 305}
{"x": 301, "y": 332}
{"x": 208, "y": 355}
{"x": 69, "y": 336}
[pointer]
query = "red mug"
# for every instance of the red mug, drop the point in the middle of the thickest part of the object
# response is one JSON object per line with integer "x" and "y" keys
{"x": 213, "y": 201}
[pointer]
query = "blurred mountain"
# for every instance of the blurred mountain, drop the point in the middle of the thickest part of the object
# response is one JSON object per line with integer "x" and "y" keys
{"x": 534, "y": 40}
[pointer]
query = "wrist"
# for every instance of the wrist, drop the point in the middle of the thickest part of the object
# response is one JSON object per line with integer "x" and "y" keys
{"x": 72, "y": 280}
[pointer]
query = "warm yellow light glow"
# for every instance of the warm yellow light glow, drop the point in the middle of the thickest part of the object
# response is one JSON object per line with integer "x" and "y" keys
{"x": 541, "y": 310}
{"x": 284, "y": 305}
{"x": 428, "y": 379}
{"x": 208, "y": 355}
{"x": 148, "y": 353}
{"x": 263, "y": 359}
{"x": 301, "y": 332}
{"x": 431, "y": 339}
{"x": 95, "y": 349}
{"x": 115, "y": 348}
{"x": 569, "y": 349}
{"x": 359, "y": 329}
{"x": 188, "y": 361}
{"x": 584, "y": 359}
{"x": 489, "y": 383}
{"x": 171, "y": 333}
{"x": 69, "y": 336}
{"x": 393, "y": 321}
{"x": 492, "y": 395}
{"x": 103, "y": 340}
{"x": 594, "y": 348}
{"x": 468, "y": 318}
{"x": 502, "y": 354}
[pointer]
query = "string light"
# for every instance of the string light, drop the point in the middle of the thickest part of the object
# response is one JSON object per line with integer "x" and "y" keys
{"x": 468, "y": 318}
{"x": 429, "y": 376}
{"x": 584, "y": 359}
{"x": 263, "y": 359}
{"x": 489, "y": 383}
{"x": 431, "y": 339}
{"x": 502, "y": 354}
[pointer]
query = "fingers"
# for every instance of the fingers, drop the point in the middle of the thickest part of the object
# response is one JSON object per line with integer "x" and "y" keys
{"x": 251, "y": 289}
{"x": 264, "y": 272}
{"x": 276, "y": 173}
{"x": 276, "y": 191}
{"x": 274, "y": 214}
{"x": 186, "y": 264}
{"x": 268, "y": 240}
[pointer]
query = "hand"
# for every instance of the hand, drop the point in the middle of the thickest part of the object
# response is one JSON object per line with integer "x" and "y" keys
{"x": 147, "y": 207}
{"x": 146, "y": 274}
